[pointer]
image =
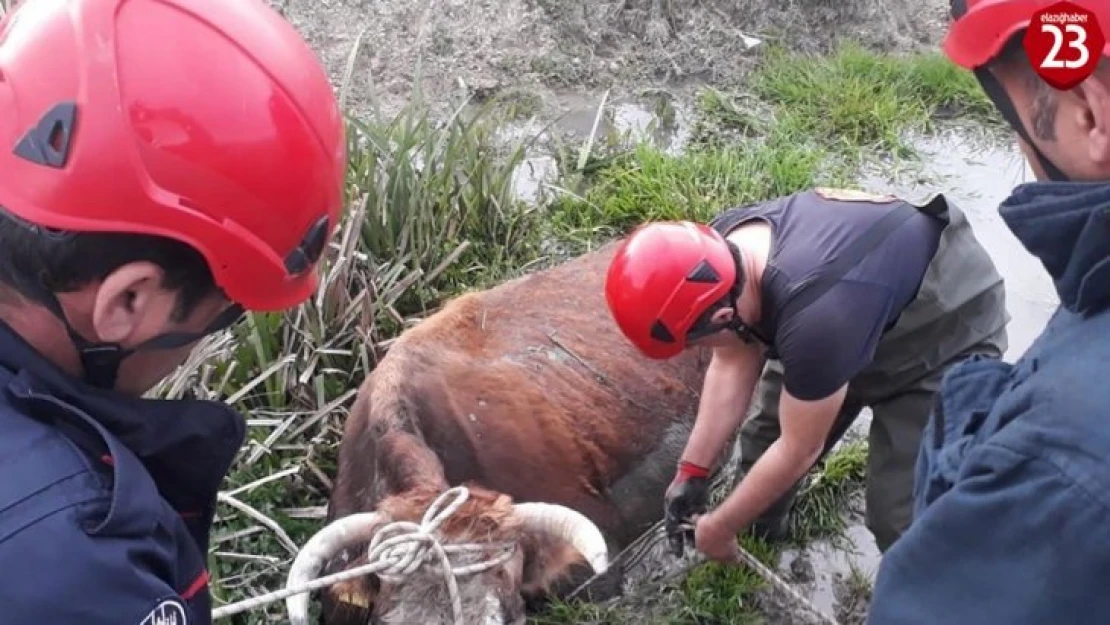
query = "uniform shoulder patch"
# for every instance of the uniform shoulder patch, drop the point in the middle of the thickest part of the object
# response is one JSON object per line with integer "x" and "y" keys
{"x": 853, "y": 195}
{"x": 167, "y": 612}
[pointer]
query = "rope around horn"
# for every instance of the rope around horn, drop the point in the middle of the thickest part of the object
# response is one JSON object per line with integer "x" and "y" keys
{"x": 395, "y": 558}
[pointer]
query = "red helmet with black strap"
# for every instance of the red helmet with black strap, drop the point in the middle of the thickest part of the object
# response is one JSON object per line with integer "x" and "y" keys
{"x": 206, "y": 121}
{"x": 662, "y": 278}
{"x": 980, "y": 29}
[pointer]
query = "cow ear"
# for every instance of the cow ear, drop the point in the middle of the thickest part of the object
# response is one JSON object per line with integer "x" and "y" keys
{"x": 551, "y": 565}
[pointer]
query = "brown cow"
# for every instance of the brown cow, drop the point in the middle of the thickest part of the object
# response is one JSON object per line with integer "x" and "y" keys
{"x": 526, "y": 392}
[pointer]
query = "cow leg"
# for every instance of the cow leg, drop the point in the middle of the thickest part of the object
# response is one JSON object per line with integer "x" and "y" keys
{"x": 398, "y": 462}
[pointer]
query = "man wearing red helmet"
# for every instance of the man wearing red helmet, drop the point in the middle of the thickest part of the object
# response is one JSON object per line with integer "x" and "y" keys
{"x": 164, "y": 166}
{"x": 850, "y": 299}
{"x": 1011, "y": 503}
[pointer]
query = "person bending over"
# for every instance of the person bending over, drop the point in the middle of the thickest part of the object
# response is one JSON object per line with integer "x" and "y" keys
{"x": 841, "y": 299}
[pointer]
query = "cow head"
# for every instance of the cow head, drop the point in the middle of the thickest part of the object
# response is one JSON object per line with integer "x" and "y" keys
{"x": 530, "y": 545}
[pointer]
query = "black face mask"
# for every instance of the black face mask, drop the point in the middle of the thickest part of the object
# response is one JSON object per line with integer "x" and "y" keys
{"x": 101, "y": 361}
{"x": 1001, "y": 100}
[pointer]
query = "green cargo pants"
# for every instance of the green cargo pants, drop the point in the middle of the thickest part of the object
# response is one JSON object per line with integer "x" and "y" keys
{"x": 959, "y": 310}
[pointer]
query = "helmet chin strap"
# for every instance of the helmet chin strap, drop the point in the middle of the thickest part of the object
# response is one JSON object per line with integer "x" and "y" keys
{"x": 1005, "y": 106}
{"x": 1001, "y": 100}
{"x": 748, "y": 334}
{"x": 101, "y": 361}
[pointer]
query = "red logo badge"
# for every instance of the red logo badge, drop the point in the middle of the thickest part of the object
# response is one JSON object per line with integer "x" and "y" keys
{"x": 1064, "y": 42}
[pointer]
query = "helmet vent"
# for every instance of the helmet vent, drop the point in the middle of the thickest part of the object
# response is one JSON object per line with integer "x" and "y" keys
{"x": 704, "y": 272}
{"x": 48, "y": 143}
{"x": 660, "y": 332}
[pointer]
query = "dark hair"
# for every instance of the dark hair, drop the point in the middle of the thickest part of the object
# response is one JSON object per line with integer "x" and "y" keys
{"x": 65, "y": 261}
{"x": 1013, "y": 57}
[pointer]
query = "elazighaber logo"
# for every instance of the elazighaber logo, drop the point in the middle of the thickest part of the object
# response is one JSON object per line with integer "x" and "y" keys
{"x": 1064, "y": 42}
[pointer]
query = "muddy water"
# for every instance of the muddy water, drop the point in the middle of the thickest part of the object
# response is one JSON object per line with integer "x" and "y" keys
{"x": 978, "y": 173}
{"x": 975, "y": 171}
{"x": 664, "y": 124}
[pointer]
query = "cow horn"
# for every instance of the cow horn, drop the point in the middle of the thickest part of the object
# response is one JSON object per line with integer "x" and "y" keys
{"x": 322, "y": 547}
{"x": 571, "y": 525}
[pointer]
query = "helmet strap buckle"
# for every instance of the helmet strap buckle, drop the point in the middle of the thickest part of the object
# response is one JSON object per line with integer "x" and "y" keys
{"x": 101, "y": 362}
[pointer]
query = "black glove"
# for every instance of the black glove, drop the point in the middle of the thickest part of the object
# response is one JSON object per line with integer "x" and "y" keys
{"x": 687, "y": 495}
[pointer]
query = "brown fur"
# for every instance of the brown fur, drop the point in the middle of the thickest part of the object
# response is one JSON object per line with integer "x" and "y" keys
{"x": 529, "y": 390}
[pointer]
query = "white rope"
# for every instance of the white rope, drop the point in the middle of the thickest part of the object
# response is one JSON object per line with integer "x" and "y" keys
{"x": 395, "y": 558}
{"x": 770, "y": 576}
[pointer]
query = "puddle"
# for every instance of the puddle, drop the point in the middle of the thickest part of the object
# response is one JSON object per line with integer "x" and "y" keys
{"x": 824, "y": 566}
{"x": 530, "y": 177}
{"x": 978, "y": 174}
{"x": 660, "y": 120}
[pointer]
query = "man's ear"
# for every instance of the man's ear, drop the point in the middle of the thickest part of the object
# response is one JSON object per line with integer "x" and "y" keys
{"x": 130, "y": 302}
{"x": 1094, "y": 111}
{"x": 723, "y": 315}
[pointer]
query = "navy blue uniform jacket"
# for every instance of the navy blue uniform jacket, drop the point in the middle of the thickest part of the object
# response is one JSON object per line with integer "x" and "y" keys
{"x": 1012, "y": 493}
{"x": 105, "y": 501}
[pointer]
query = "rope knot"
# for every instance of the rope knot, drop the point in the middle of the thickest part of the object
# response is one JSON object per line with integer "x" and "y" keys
{"x": 403, "y": 546}
{"x": 400, "y": 548}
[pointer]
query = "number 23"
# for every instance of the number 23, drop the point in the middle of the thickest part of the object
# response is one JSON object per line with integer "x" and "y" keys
{"x": 1079, "y": 43}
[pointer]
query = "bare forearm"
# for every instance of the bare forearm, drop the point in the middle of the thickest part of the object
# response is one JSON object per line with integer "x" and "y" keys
{"x": 725, "y": 396}
{"x": 779, "y": 468}
{"x": 805, "y": 426}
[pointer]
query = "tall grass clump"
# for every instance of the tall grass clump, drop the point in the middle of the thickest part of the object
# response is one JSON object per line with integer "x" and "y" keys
{"x": 861, "y": 100}
{"x": 430, "y": 210}
{"x": 647, "y": 184}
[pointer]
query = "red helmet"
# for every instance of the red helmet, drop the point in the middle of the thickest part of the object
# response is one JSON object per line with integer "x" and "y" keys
{"x": 206, "y": 121}
{"x": 662, "y": 278}
{"x": 981, "y": 28}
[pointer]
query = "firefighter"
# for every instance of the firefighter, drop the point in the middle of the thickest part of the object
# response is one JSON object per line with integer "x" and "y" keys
{"x": 815, "y": 305}
{"x": 166, "y": 166}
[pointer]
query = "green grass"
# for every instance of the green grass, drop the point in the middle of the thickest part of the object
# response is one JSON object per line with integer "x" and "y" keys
{"x": 649, "y": 185}
{"x": 858, "y": 100}
{"x": 431, "y": 213}
{"x": 803, "y": 121}
{"x": 819, "y": 512}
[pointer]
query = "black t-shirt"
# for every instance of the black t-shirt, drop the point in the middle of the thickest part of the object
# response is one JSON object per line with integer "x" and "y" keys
{"x": 824, "y": 343}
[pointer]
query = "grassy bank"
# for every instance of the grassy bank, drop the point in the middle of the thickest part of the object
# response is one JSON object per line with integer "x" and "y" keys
{"x": 432, "y": 212}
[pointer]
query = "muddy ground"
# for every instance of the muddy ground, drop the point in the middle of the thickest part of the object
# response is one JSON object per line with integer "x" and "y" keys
{"x": 482, "y": 47}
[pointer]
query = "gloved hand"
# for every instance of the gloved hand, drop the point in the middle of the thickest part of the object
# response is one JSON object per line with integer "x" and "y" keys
{"x": 687, "y": 495}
